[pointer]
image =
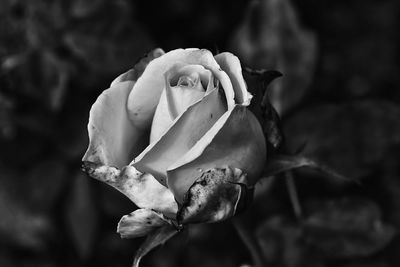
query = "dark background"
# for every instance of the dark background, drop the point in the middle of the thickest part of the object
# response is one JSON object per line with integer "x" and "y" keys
{"x": 339, "y": 96}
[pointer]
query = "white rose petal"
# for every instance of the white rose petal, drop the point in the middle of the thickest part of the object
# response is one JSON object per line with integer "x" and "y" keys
{"x": 181, "y": 137}
{"x": 231, "y": 65}
{"x": 177, "y": 97}
{"x": 236, "y": 140}
{"x": 114, "y": 140}
{"x": 145, "y": 95}
{"x": 143, "y": 189}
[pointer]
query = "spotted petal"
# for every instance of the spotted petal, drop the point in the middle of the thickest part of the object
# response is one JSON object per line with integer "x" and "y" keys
{"x": 235, "y": 140}
{"x": 143, "y": 189}
{"x": 215, "y": 196}
{"x": 141, "y": 222}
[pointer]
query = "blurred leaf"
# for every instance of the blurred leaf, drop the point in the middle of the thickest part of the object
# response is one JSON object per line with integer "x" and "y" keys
{"x": 84, "y": 8}
{"x": 352, "y": 138}
{"x": 111, "y": 40}
{"x": 44, "y": 184}
{"x": 281, "y": 242}
{"x": 154, "y": 239}
{"x": 282, "y": 163}
{"x": 19, "y": 226}
{"x": 81, "y": 216}
{"x": 346, "y": 228}
{"x": 271, "y": 37}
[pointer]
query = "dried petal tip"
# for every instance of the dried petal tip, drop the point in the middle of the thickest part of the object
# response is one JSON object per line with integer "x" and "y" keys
{"x": 100, "y": 172}
{"x": 213, "y": 197}
{"x": 143, "y": 189}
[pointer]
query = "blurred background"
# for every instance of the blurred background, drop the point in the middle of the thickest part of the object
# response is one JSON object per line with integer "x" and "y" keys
{"x": 339, "y": 100}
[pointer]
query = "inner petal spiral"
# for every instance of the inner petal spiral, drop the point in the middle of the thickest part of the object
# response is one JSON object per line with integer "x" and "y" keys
{"x": 184, "y": 86}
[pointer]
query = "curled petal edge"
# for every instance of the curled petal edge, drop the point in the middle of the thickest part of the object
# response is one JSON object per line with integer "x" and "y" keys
{"x": 231, "y": 65}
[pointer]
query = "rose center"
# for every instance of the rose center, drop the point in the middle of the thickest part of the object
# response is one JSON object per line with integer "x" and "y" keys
{"x": 182, "y": 89}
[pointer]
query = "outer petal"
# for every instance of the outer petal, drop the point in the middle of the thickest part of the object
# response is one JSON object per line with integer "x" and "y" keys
{"x": 181, "y": 137}
{"x": 140, "y": 223}
{"x": 236, "y": 140}
{"x": 146, "y": 93}
{"x": 214, "y": 197}
{"x": 113, "y": 139}
{"x": 134, "y": 73}
{"x": 143, "y": 189}
{"x": 231, "y": 65}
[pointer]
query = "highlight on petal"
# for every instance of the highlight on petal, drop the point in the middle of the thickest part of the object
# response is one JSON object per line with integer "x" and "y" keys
{"x": 113, "y": 139}
{"x": 162, "y": 119}
{"x": 181, "y": 137}
{"x": 146, "y": 93}
{"x": 140, "y": 223}
{"x": 213, "y": 197}
{"x": 235, "y": 140}
{"x": 134, "y": 73}
{"x": 231, "y": 65}
{"x": 142, "y": 189}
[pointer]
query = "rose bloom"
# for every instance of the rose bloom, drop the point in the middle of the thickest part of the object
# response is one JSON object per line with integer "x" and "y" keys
{"x": 171, "y": 119}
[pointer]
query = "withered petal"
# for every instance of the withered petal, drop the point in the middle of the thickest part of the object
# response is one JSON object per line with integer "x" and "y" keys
{"x": 142, "y": 189}
{"x": 213, "y": 197}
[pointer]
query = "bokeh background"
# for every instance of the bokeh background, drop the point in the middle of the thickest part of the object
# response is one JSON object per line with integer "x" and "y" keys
{"x": 339, "y": 99}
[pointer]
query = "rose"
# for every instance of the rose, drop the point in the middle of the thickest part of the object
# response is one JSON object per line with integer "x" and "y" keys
{"x": 176, "y": 129}
{"x": 174, "y": 117}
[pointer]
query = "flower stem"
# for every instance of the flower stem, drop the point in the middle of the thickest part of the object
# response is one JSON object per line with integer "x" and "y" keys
{"x": 294, "y": 198}
{"x": 249, "y": 240}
